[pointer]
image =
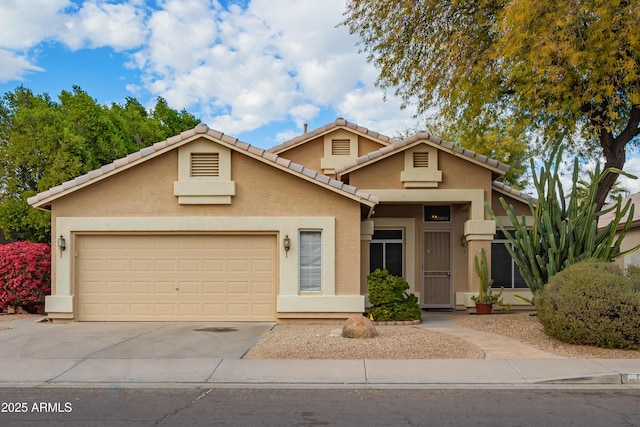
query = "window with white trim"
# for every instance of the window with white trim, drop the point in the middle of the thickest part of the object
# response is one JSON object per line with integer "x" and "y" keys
{"x": 504, "y": 271}
{"x": 310, "y": 265}
{"x": 386, "y": 251}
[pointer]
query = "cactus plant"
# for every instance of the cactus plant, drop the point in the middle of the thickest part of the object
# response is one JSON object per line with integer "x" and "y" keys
{"x": 565, "y": 230}
{"x": 485, "y": 295}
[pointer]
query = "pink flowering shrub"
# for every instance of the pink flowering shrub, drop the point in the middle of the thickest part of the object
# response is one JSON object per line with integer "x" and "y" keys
{"x": 25, "y": 275}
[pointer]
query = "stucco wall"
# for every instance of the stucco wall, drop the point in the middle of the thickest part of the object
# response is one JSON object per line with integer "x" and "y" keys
{"x": 366, "y": 146}
{"x": 383, "y": 174}
{"x": 307, "y": 154}
{"x": 261, "y": 191}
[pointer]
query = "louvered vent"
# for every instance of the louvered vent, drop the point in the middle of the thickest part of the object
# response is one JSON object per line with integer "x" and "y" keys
{"x": 205, "y": 164}
{"x": 420, "y": 160}
{"x": 340, "y": 147}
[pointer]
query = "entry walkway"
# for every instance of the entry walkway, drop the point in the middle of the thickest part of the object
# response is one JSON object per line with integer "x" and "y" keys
{"x": 492, "y": 345}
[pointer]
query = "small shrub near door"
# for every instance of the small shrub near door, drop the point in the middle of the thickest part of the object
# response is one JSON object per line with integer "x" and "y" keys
{"x": 592, "y": 303}
{"x": 389, "y": 299}
{"x": 25, "y": 276}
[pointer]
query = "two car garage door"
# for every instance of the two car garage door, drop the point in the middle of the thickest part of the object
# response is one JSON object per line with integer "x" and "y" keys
{"x": 176, "y": 277}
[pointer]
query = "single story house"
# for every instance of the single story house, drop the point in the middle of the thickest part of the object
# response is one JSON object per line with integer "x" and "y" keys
{"x": 204, "y": 227}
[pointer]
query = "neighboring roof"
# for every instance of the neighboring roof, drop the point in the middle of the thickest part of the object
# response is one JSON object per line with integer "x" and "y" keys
{"x": 42, "y": 200}
{"x": 512, "y": 192}
{"x": 339, "y": 123}
{"x": 421, "y": 137}
{"x": 605, "y": 219}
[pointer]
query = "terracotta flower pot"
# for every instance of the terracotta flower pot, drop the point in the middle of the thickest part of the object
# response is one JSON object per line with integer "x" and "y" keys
{"x": 483, "y": 307}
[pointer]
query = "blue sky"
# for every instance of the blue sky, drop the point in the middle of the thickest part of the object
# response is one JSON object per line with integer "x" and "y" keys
{"x": 254, "y": 69}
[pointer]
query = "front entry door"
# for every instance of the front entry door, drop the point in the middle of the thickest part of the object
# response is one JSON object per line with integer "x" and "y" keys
{"x": 437, "y": 289}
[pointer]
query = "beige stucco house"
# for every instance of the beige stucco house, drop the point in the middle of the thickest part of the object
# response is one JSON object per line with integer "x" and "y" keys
{"x": 203, "y": 226}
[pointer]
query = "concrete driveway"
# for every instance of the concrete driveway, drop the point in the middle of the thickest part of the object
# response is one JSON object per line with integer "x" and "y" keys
{"x": 129, "y": 340}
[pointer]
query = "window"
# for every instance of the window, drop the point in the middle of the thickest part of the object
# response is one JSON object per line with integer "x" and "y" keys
{"x": 386, "y": 250}
{"x": 437, "y": 213}
{"x": 310, "y": 261}
{"x": 504, "y": 272}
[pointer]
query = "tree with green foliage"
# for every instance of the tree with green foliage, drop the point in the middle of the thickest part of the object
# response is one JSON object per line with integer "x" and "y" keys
{"x": 564, "y": 232}
{"x": 44, "y": 143}
{"x": 563, "y": 70}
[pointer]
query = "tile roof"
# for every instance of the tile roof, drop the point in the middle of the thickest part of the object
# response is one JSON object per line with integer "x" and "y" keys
{"x": 605, "y": 219}
{"x": 338, "y": 123}
{"x": 158, "y": 148}
{"x": 504, "y": 188}
{"x": 421, "y": 136}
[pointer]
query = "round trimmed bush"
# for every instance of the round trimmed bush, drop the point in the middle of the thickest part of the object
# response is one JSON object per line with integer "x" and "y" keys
{"x": 591, "y": 303}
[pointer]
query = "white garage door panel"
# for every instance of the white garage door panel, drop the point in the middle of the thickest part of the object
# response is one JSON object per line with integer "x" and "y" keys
{"x": 171, "y": 277}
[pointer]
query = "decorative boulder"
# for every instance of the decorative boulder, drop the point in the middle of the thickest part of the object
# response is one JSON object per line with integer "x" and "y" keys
{"x": 358, "y": 326}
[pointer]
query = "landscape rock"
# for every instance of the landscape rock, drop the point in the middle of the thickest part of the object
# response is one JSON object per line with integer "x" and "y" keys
{"x": 358, "y": 326}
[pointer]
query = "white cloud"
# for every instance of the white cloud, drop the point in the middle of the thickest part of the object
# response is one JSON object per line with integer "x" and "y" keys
{"x": 237, "y": 67}
{"x": 99, "y": 23}
{"x": 245, "y": 68}
{"x": 632, "y": 166}
{"x": 26, "y": 23}
{"x": 14, "y": 67}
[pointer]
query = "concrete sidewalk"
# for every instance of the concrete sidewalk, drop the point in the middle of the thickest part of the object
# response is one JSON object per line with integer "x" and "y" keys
{"x": 25, "y": 362}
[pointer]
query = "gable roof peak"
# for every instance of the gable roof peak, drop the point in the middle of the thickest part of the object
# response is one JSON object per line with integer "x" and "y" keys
{"x": 426, "y": 137}
{"x": 41, "y": 199}
{"x": 339, "y": 123}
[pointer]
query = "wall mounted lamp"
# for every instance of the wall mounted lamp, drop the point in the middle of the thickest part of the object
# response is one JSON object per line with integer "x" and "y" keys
{"x": 62, "y": 244}
{"x": 287, "y": 245}
{"x": 463, "y": 240}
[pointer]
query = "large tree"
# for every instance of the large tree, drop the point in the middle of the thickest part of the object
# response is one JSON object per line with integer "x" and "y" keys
{"x": 567, "y": 71}
{"x": 44, "y": 142}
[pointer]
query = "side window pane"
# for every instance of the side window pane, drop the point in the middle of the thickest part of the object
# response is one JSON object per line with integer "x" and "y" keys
{"x": 310, "y": 261}
{"x": 393, "y": 261}
{"x": 518, "y": 281}
{"x": 500, "y": 265}
{"x": 376, "y": 256}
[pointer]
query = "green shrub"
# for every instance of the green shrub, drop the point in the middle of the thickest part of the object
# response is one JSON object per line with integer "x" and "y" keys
{"x": 591, "y": 303}
{"x": 389, "y": 301}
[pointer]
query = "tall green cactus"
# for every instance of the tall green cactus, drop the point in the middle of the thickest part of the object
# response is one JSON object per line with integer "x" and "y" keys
{"x": 565, "y": 230}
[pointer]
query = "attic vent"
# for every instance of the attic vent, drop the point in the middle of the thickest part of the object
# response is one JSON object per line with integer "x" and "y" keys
{"x": 420, "y": 160}
{"x": 340, "y": 147}
{"x": 205, "y": 164}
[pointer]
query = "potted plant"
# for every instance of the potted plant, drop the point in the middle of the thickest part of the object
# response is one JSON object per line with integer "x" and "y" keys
{"x": 486, "y": 297}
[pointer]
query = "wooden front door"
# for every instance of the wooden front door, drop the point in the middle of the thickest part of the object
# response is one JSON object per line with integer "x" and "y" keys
{"x": 437, "y": 289}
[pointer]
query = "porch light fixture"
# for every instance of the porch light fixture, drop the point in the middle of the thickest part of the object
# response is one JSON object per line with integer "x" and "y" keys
{"x": 463, "y": 240}
{"x": 62, "y": 244}
{"x": 287, "y": 245}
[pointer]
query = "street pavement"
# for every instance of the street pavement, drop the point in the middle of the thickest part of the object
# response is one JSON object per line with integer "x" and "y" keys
{"x": 209, "y": 355}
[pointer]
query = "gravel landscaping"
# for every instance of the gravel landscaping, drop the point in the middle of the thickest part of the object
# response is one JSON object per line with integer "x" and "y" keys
{"x": 410, "y": 342}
